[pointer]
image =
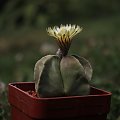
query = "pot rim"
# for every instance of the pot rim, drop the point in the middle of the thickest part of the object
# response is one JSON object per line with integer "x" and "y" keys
{"x": 103, "y": 92}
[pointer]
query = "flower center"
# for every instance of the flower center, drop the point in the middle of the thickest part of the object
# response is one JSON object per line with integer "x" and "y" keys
{"x": 64, "y": 43}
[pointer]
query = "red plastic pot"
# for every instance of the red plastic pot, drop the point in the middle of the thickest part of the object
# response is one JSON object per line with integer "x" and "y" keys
{"x": 26, "y": 107}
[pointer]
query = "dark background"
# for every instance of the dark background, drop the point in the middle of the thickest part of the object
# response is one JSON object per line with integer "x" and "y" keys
{"x": 24, "y": 40}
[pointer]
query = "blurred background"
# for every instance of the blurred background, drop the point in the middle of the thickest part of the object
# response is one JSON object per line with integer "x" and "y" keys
{"x": 24, "y": 40}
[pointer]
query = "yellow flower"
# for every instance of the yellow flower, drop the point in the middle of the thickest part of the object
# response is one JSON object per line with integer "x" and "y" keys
{"x": 63, "y": 31}
{"x": 64, "y": 35}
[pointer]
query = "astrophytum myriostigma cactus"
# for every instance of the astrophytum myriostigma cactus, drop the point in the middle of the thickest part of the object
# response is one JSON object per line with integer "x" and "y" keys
{"x": 61, "y": 74}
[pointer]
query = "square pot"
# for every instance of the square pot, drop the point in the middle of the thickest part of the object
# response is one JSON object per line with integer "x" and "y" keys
{"x": 26, "y": 107}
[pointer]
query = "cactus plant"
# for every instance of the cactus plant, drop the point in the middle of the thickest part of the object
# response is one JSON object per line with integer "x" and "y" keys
{"x": 62, "y": 74}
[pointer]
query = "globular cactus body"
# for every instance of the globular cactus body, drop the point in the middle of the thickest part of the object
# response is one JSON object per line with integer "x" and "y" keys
{"x": 62, "y": 75}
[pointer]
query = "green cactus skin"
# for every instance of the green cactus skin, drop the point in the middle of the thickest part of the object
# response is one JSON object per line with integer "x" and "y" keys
{"x": 62, "y": 77}
{"x": 47, "y": 76}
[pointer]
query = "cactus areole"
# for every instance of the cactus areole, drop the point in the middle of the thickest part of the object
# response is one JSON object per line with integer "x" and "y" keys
{"x": 62, "y": 74}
